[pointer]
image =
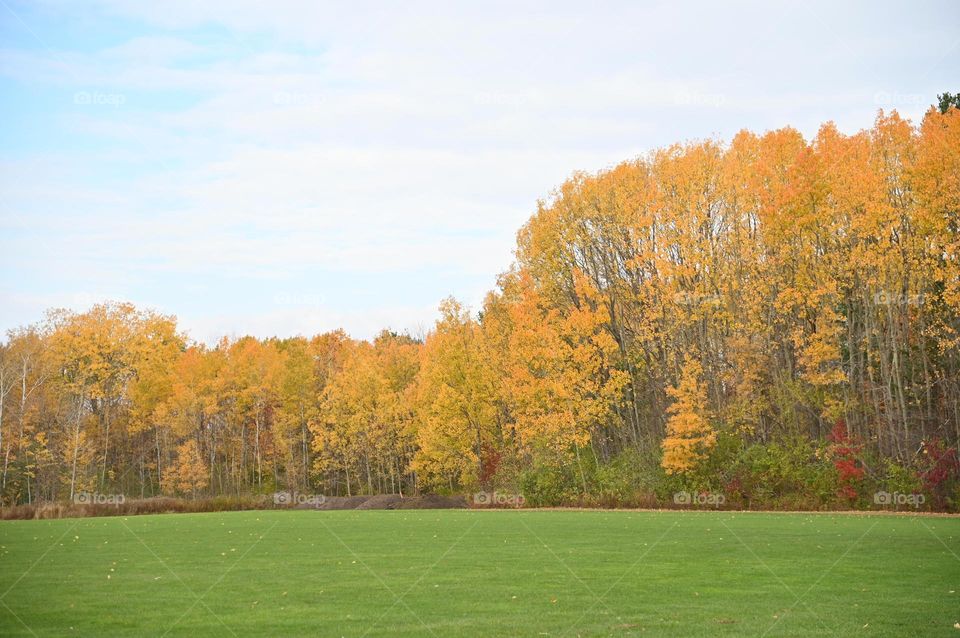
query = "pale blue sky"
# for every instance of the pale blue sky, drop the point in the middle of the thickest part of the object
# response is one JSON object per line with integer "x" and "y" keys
{"x": 288, "y": 168}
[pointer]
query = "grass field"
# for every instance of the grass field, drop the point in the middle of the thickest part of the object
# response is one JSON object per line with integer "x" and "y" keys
{"x": 481, "y": 573}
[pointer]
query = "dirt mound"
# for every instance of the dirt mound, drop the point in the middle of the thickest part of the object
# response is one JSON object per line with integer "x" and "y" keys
{"x": 335, "y": 503}
{"x": 387, "y": 502}
{"x": 381, "y": 502}
{"x": 432, "y": 502}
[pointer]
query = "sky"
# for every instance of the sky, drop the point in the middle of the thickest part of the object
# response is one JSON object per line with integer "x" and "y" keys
{"x": 283, "y": 168}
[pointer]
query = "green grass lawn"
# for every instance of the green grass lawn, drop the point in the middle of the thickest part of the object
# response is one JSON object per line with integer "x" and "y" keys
{"x": 481, "y": 573}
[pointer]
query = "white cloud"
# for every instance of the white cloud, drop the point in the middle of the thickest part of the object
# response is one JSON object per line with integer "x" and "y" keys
{"x": 317, "y": 145}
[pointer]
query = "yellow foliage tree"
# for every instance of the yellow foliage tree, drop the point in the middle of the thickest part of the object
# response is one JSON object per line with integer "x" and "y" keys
{"x": 689, "y": 433}
{"x": 559, "y": 371}
{"x": 364, "y": 430}
{"x": 456, "y": 402}
{"x": 190, "y": 472}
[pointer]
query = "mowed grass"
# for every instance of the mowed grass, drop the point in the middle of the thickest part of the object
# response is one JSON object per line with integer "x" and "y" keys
{"x": 481, "y": 573}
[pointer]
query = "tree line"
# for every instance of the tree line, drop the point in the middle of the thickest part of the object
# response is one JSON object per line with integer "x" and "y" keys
{"x": 774, "y": 317}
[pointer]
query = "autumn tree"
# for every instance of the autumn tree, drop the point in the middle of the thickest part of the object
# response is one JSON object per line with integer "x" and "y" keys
{"x": 189, "y": 473}
{"x": 559, "y": 380}
{"x": 689, "y": 432}
{"x": 456, "y": 400}
{"x": 365, "y": 432}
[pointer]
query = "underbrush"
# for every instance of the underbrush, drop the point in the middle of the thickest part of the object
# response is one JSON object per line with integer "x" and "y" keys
{"x": 798, "y": 475}
{"x": 132, "y": 507}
